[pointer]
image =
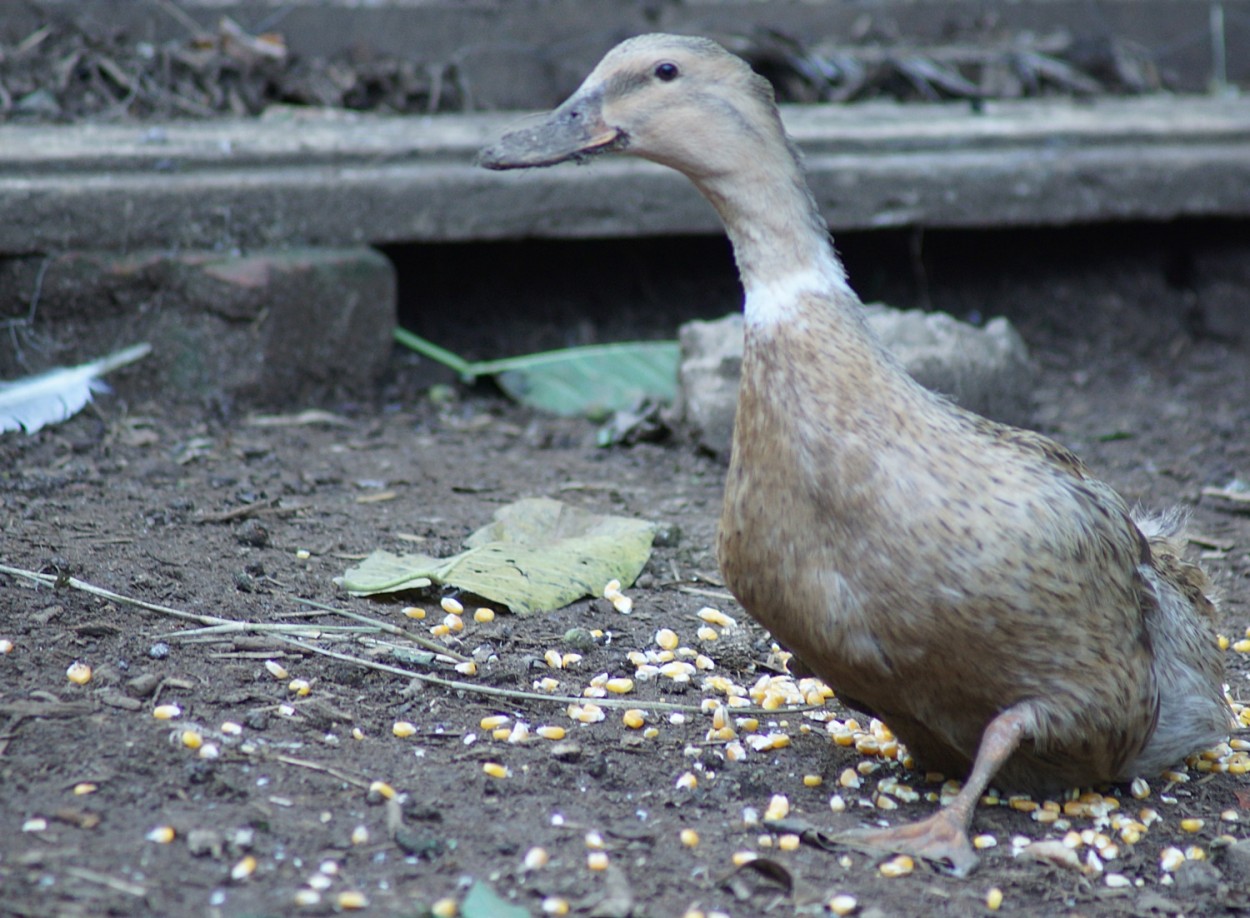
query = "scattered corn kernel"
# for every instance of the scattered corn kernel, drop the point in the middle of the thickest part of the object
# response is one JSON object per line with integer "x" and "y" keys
{"x": 403, "y": 728}
{"x": 1194, "y": 853}
{"x": 382, "y": 789}
{"x": 689, "y": 838}
{"x": 554, "y": 905}
{"x": 301, "y": 687}
{"x": 716, "y": 617}
{"x": 451, "y": 605}
{"x": 586, "y": 713}
{"x": 553, "y": 659}
{"x": 597, "y": 860}
{"x": 360, "y": 835}
{"x": 353, "y": 900}
{"x": 551, "y": 733}
{"x": 1242, "y": 646}
{"x": 843, "y": 905}
{"x": 1170, "y": 859}
{"x": 495, "y": 770}
{"x": 667, "y": 638}
{"x": 440, "y": 631}
{"x": 707, "y": 633}
{"x": 166, "y": 711}
{"x": 741, "y": 858}
{"x": 687, "y": 781}
{"x": 634, "y": 718}
{"x": 162, "y": 835}
{"x": 570, "y": 659}
{"x": 899, "y": 866}
{"x": 307, "y": 897}
{"x": 778, "y": 808}
{"x": 788, "y": 842}
{"x": 243, "y": 869}
{"x": 619, "y": 686}
{"x": 230, "y": 728}
{"x": 1222, "y": 641}
{"x": 813, "y": 780}
{"x": 483, "y": 615}
{"x": 622, "y": 603}
{"x": 837, "y": 803}
{"x": 1192, "y": 825}
{"x": 414, "y": 612}
{"x": 493, "y": 721}
{"x": 981, "y": 842}
{"x": 1140, "y": 788}
{"x": 848, "y": 778}
{"x": 6, "y": 646}
{"x": 277, "y": 670}
{"x": 445, "y": 908}
{"x": 78, "y": 673}
{"x": 651, "y": 732}
{"x": 192, "y": 739}
{"x": 83, "y": 788}
{"x": 547, "y": 684}
{"x": 536, "y": 858}
{"x": 994, "y": 899}
{"x": 467, "y": 668}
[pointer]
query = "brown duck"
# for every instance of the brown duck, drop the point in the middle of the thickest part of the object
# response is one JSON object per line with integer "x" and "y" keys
{"x": 967, "y": 582}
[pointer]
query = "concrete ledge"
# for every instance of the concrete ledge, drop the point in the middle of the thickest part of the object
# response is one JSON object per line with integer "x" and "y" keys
{"x": 308, "y": 178}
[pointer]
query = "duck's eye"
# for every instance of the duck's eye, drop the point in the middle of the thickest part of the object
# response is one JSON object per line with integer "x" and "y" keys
{"x": 667, "y": 71}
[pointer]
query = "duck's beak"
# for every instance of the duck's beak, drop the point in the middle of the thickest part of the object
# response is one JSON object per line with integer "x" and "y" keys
{"x": 573, "y": 130}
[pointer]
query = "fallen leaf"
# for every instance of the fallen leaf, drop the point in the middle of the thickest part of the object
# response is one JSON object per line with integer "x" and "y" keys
{"x": 537, "y": 555}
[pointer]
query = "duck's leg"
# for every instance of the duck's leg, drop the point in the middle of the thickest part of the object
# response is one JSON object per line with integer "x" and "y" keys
{"x": 944, "y": 835}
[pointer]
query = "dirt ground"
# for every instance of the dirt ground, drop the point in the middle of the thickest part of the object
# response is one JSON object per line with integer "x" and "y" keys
{"x": 212, "y": 515}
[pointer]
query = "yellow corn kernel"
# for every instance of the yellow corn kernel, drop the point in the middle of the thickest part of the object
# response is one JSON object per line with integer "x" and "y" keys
{"x": 501, "y": 734}
{"x": 634, "y": 718}
{"x": 551, "y": 733}
{"x": 594, "y": 840}
{"x": 554, "y": 905}
{"x": 445, "y": 908}
{"x": 484, "y": 615}
{"x": 651, "y": 732}
{"x": 382, "y": 789}
{"x": 843, "y": 905}
{"x": 848, "y": 778}
{"x": 403, "y": 728}
{"x": 547, "y": 684}
{"x": 492, "y": 721}
{"x": 735, "y": 752}
{"x": 687, "y": 781}
{"x": 570, "y": 659}
{"x": 621, "y": 603}
{"x": 1192, "y": 825}
{"x": 451, "y": 605}
{"x": 414, "y": 612}
{"x": 6, "y": 646}
{"x": 1242, "y": 646}
{"x": 243, "y": 869}
{"x": 899, "y": 866}
{"x": 788, "y": 842}
{"x": 536, "y": 858}
{"x": 716, "y": 617}
{"x": 350, "y": 900}
{"x": 192, "y": 739}
{"x": 597, "y": 860}
{"x": 440, "y": 631}
{"x": 78, "y": 673}
{"x": 162, "y": 835}
{"x": 813, "y": 780}
{"x": 301, "y": 687}
{"x": 689, "y": 838}
{"x": 1222, "y": 641}
{"x": 1170, "y": 859}
{"x": 994, "y": 899}
{"x": 619, "y": 686}
{"x": 166, "y": 711}
{"x": 467, "y": 668}
{"x": 741, "y": 858}
{"x": 553, "y": 659}
{"x": 1194, "y": 853}
{"x": 707, "y": 633}
{"x": 981, "y": 842}
{"x": 453, "y": 623}
{"x": 586, "y": 713}
{"x": 667, "y": 639}
{"x": 495, "y": 770}
{"x": 360, "y": 835}
{"x": 83, "y": 788}
{"x": 277, "y": 670}
{"x": 837, "y": 803}
{"x": 778, "y": 808}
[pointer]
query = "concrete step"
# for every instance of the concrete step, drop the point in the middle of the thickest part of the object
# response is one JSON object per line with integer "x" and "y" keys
{"x": 303, "y": 177}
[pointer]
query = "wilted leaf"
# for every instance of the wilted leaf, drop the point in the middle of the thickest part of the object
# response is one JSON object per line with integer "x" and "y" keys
{"x": 594, "y": 380}
{"x": 538, "y": 555}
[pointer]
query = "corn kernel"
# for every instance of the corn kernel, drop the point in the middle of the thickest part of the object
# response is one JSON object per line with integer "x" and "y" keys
{"x": 843, "y": 905}
{"x": 981, "y": 842}
{"x": 467, "y": 668}
{"x": 554, "y": 905}
{"x": 453, "y": 623}
{"x": 687, "y": 781}
{"x": 788, "y": 842}
{"x": 1194, "y": 853}
{"x": 837, "y": 803}
{"x": 707, "y": 633}
{"x": 1242, "y": 646}
{"x": 492, "y": 721}
{"x": 778, "y": 808}
{"x": 6, "y": 646}
{"x": 848, "y": 778}
{"x": 813, "y": 780}
{"x": 1222, "y": 641}
{"x": 667, "y": 639}
{"x": 689, "y": 838}
{"x": 651, "y": 732}
{"x": 243, "y": 869}
{"x": 360, "y": 835}
{"x": 403, "y": 728}
{"x": 192, "y": 739}
{"x": 547, "y": 684}
{"x": 166, "y": 711}
{"x": 994, "y": 899}
{"x": 622, "y": 603}
{"x": 619, "y": 686}
{"x": 382, "y": 789}
{"x": 78, "y": 673}
{"x": 414, "y": 612}
{"x": 634, "y": 718}
{"x": 230, "y": 728}
{"x": 162, "y": 835}
{"x": 716, "y": 617}
{"x": 570, "y": 659}
{"x": 536, "y": 858}
{"x": 451, "y": 605}
{"x": 484, "y": 615}
{"x": 301, "y": 687}
{"x": 354, "y": 899}
{"x": 898, "y": 866}
{"x": 1140, "y": 788}
{"x": 1170, "y": 859}
{"x": 445, "y": 908}
{"x": 1192, "y": 825}
{"x": 277, "y": 670}
{"x": 597, "y": 860}
{"x": 741, "y": 858}
{"x": 440, "y": 631}
{"x": 495, "y": 770}
{"x": 551, "y": 733}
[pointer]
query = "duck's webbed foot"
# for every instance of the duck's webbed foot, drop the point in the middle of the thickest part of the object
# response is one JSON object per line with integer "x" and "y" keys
{"x": 944, "y": 835}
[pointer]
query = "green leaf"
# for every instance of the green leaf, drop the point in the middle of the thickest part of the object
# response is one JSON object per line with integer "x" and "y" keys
{"x": 537, "y": 555}
{"x": 594, "y": 380}
{"x": 483, "y": 902}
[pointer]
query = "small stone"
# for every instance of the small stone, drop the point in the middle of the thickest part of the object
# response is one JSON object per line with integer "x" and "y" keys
{"x": 159, "y": 650}
{"x": 252, "y": 533}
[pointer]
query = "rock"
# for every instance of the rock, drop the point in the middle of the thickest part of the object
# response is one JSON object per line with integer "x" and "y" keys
{"x": 985, "y": 370}
{"x": 272, "y": 327}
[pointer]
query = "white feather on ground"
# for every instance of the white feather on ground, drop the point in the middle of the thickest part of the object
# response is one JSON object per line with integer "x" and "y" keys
{"x": 49, "y": 398}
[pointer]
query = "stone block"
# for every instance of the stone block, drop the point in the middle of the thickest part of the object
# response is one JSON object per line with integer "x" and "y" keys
{"x": 986, "y": 369}
{"x": 269, "y": 328}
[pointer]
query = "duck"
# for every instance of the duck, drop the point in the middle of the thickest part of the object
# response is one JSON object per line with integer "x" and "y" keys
{"x": 970, "y": 584}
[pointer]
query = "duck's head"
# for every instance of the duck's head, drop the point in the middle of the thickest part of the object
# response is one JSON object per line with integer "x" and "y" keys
{"x": 683, "y": 102}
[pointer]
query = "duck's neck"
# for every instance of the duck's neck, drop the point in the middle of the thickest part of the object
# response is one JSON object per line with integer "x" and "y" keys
{"x": 780, "y": 241}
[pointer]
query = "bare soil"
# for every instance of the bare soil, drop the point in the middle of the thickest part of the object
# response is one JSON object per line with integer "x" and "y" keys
{"x": 146, "y": 499}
